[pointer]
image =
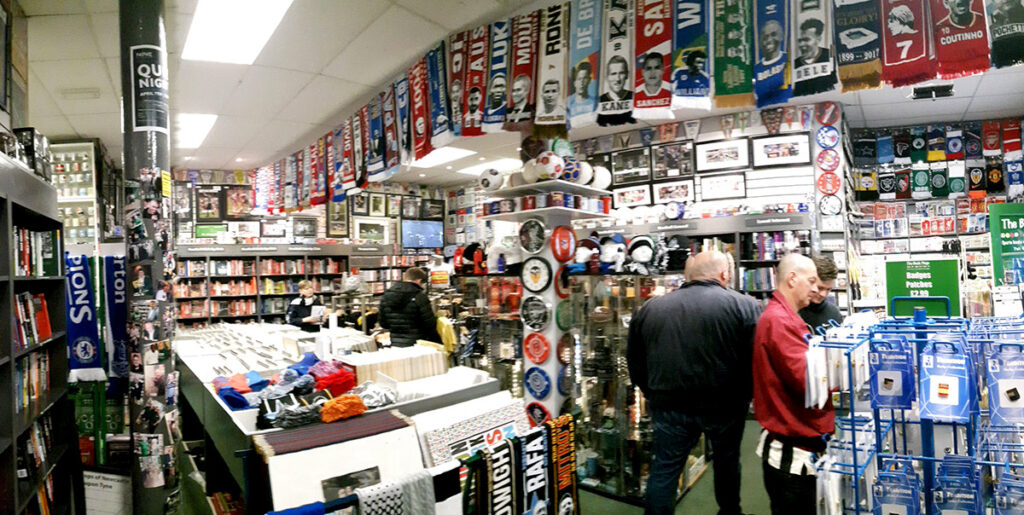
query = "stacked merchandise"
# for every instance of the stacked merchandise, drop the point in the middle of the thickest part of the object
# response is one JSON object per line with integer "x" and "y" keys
{"x": 274, "y": 306}
{"x": 405, "y": 364}
{"x": 757, "y": 279}
{"x": 36, "y": 253}
{"x": 232, "y": 308}
{"x": 189, "y": 289}
{"x": 772, "y": 246}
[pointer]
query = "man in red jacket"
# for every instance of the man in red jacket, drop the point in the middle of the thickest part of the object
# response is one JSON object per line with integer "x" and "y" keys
{"x": 793, "y": 435}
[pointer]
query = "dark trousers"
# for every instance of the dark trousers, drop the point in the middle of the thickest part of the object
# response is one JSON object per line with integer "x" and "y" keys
{"x": 675, "y": 434}
{"x": 790, "y": 494}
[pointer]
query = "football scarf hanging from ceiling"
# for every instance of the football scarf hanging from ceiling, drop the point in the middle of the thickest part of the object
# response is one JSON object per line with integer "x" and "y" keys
{"x": 361, "y": 139}
{"x": 347, "y": 167}
{"x": 525, "y": 36}
{"x": 497, "y": 85}
{"x": 733, "y": 64}
{"x": 437, "y": 81}
{"x": 858, "y": 47}
{"x": 291, "y": 195}
{"x": 691, "y": 86}
{"x": 390, "y": 132}
{"x": 402, "y": 116}
{"x": 116, "y": 290}
{"x": 305, "y": 177}
{"x": 961, "y": 38}
{"x": 476, "y": 82}
{"x": 278, "y": 185}
{"x": 375, "y": 148}
{"x": 584, "y": 62}
{"x": 549, "y": 111}
{"x": 652, "y": 94}
{"x": 814, "y": 69}
{"x": 905, "y": 56}
{"x": 771, "y": 57}
{"x": 86, "y": 358}
{"x": 1006, "y": 25}
{"x": 318, "y": 173}
{"x": 337, "y": 191}
{"x": 457, "y": 45}
{"x": 615, "y": 104}
{"x": 329, "y": 157}
{"x": 419, "y": 117}
{"x": 259, "y": 186}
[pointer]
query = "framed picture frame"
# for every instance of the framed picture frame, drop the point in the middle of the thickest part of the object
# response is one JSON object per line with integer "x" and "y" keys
{"x": 183, "y": 201}
{"x": 273, "y": 228}
{"x": 632, "y": 196}
{"x": 675, "y": 191}
{"x": 723, "y": 186}
{"x": 304, "y": 227}
{"x": 208, "y": 204}
{"x": 411, "y": 208}
{"x": 432, "y": 209}
{"x": 722, "y": 155}
{"x": 337, "y": 220}
{"x": 237, "y": 202}
{"x": 360, "y": 204}
{"x": 244, "y": 229}
{"x": 394, "y": 206}
{"x": 631, "y": 166}
{"x": 371, "y": 229}
{"x": 378, "y": 204}
{"x": 782, "y": 150}
{"x": 671, "y": 160}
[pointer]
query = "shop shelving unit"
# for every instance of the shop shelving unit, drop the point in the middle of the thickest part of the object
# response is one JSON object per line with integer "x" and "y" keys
{"x": 90, "y": 194}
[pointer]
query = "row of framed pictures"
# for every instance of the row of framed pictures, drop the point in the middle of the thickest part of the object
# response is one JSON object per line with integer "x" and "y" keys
{"x": 368, "y": 229}
{"x": 390, "y": 205}
{"x": 684, "y": 158}
{"x": 720, "y": 186}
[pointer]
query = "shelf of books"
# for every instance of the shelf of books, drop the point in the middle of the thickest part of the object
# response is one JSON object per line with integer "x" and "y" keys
{"x": 38, "y": 442}
{"x": 381, "y": 272}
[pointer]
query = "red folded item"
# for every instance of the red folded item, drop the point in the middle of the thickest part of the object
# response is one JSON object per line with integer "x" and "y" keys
{"x": 337, "y": 383}
{"x": 239, "y": 383}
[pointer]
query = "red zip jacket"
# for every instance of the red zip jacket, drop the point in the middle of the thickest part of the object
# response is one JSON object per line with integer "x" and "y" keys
{"x": 780, "y": 368}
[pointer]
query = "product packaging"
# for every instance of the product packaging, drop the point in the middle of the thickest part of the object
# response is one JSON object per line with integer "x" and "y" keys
{"x": 956, "y": 487}
{"x": 1006, "y": 384}
{"x": 948, "y": 389}
{"x": 897, "y": 491}
{"x": 892, "y": 373}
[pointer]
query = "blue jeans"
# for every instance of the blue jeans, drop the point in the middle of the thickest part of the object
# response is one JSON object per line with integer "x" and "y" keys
{"x": 675, "y": 434}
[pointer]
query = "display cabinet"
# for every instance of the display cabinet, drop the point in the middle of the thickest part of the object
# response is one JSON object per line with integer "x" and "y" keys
{"x": 90, "y": 194}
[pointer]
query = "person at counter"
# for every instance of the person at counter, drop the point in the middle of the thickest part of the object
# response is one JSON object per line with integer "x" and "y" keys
{"x": 301, "y": 310}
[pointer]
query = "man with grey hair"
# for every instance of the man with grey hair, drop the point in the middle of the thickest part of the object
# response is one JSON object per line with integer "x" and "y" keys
{"x": 793, "y": 435}
{"x": 689, "y": 352}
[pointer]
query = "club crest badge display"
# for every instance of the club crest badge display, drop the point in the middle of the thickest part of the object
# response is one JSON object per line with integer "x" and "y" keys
{"x": 827, "y": 137}
{"x": 537, "y": 414}
{"x": 531, "y": 236}
{"x": 829, "y": 183}
{"x": 537, "y": 382}
{"x": 536, "y": 274}
{"x": 827, "y": 113}
{"x": 536, "y": 348}
{"x": 535, "y": 313}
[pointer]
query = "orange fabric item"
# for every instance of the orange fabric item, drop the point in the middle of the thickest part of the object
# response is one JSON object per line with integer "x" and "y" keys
{"x": 337, "y": 383}
{"x": 239, "y": 383}
{"x": 342, "y": 407}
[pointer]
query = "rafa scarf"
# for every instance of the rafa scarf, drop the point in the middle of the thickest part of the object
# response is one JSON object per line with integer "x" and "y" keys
{"x": 497, "y": 86}
{"x": 457, "y": 46}
{"x": 691, "y": 56}
{"x": 404, "y": 126}
{"x": 857, "y": 45}
{"x": 375, "y": 143}
{"x": 115, "y": 280}
{"x": 347, "y": 166}
{"x": 814, "y": 66}
{"x": 549, "y": 120}
{"x": 615, "y": 105}
{"x": 318, "y": 195}
{"x": 83, "y": 339}
{"x": 419, "y": 117}
{"x": 652, "y": 99}
{"x": 305, "y": 185}
{"x": 771, "y": 57}
{"x": 476, "y": 82}
{"x": 733, "y": 60}
{"x": 584, "y": 62}
{"x": 905, "y": 57}
{"x": 437, "y": 80}
{"x": 1011, "y": 140}
{"x": 1006, "y": 26}
{"x": 525, "y": 36}
{"x": 391, "y": 140}
{"x": 291, "y": 195}
{"x": 961, "y": 42}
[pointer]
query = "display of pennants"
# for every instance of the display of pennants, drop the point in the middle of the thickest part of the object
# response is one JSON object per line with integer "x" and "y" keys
{"x": 691, "y": 81}
{"x": 886, "y": 185}
{"x": 615, "y": 104}
{"x": 939, "y": 179}
{"x": 960, "y": 37}
{"x": 525, "y": 37}
{"x": 994, "y": 174}
{"x": 920, "y": 181}
{"x": 858, "y": 47}
{"x": 584, "y": 62}
{"x": 652, "y": 95}
{"x": 771, "y": 119}
{"x": 902, "y": 183}
{"x": 977, "y": 184}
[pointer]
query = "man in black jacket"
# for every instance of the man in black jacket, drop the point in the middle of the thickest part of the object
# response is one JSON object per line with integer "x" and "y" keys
{"x": 820, "y": 312}
{"x": 405, "y": 311}
{"x": 690, "y": 353}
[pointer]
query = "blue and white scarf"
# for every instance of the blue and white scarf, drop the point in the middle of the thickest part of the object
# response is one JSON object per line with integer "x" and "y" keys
{"x": 115, "y": 278}
{"x": 86, "y": 356}
{"x": 497, "y": 85}
{"x": 375, "y": 152}
{"x": 402, "y": 112}
{"x": 437, "y": 81}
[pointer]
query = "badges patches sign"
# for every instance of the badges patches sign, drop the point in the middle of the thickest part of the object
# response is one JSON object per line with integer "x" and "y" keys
{"x": 537, "y": 382}
{"x": 535, "y": 313}
{"x": 536, "y": 348}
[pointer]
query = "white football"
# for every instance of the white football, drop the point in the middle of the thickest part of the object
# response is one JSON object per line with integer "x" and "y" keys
{"x": 515, "y": 179}
{"x": 571, "y": 172}
{"x": 490, "y": 180}
{"x": 586, "y": 173}
{"x": 549, "y": 166}
{"x": 602, "y": 178}
{"x": 530, "y": 173}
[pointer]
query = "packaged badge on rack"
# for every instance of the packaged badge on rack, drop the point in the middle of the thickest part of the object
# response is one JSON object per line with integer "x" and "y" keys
{"x": 898, "y": 489}
{"x": 948, "y": 390}
{"x": 1006, "y": 384}
{"x": 892, "y": 373}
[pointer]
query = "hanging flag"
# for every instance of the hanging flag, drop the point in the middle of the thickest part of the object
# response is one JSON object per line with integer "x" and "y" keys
{"x": 437, "y": 81}
{"x": 901, "y": 147}
{"x": 115, "y": 287}
{"x": 476, "y": 82}
{"x": 994, "y": 174}
{"x": 457, "y": 45}
{"x": 814, "y": 67}
{"x": 551, "y": 68}
{"x": 771, "y": 43}
{"x": 405, "y": 141}
{"x": 1014, "y": 179}
{"x": 905, "y": 56}
{"x": 615, "y": 105}
{"x": 375, "y": 147}
{"x": 977, "y": 184}
{"x": 391, "y": 140}
{"x": 858, "y": 47}
{"x": 1006, "y": 25}
{"x": 939, "y": 179}
{"x": 652, "y": 94}
{"x": 291, "y": 180}
{"x": 525, "y": 36}
{"x": 691, "y": 86}
{"x": 918, "y": 144}
{"x": 347, "y": 167}
{"x": 497, "y": 85}
{"x": 1011, "y": 140}
{"x": 961, "y": 37}
{"x": 85, "y": 355}
{"x": 921, "y": 177}
{"x": 954, "y": 143}
{"x": 936, "y": 143}
{"x": 733, "y": 64}
{"x": 333, "y": 182}
{"x": 972, "y": 140}
{"x": 903, "y": 183}
{"x": 886, "y": 184}
{"x": 991, "y": 143}
{"x": 318, "y": 154}
{"x": 419, "y": 116}
{"x": 584, "y": 61}
{"x": 885, "y": 151}
{"x": 957, "y": 178}
{"x": 363, "y": 147}
{"x": 306, "y": 177}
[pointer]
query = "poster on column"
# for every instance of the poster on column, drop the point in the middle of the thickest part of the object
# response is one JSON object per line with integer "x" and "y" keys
{"x": 149, "y": 89}
{"x": 1006, "y": 226}
{"x": 923, "y": 278}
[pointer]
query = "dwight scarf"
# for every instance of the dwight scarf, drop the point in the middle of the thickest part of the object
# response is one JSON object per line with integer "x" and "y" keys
{"x": 905, "y": 57}
{"x": 652, "y": 94}
{"x": 1006, "y": 24}
{"x": 437, "y": 80}
{"x": 615, "y": 105}
{"x": 375, "y": 148}
{"x": 476, "y": 82}
{"x": 457, "y": 46}
{"x": 690, "y": 53}
{"x": 83, "y": 339}
{"x": 497, "y": 87}
{"x": 551, "y": 71}
{"x": 405, "y": 152}
{"x": 733, "y": 62}
{"x": 961, "y": 38}
{"x": 857, "y": 45}
{"x": 420, "y": 118}
{"x": 814, "y": 67}
{"x": 525, "y": 36}
{"x": 391, "y": 141}
{"x": 584, "y": 61}
{"x": 771, "y": 43}
{"x": 115, "y": 280}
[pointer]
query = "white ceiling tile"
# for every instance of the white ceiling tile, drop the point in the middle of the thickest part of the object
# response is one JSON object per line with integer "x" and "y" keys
{"x": 935, "y": 110}
{"x": 454, "y": 14}
{"x": 209, "y": 157}
{"x": 64, "y": 76}
{"x": 321, "y": 98}
{"x": 994, "y": 115}
{"x": 60, "y": 37}
{"x": 884, "y": 95}
{"x": 264, "y": 91}
{"x": 201, "y": 87}
{"x": 54, "y": 127}
{"x": 313, "y": 32}
{"x": 233, "y": 131}
{"x": 105, "y": 29}
{"x": 51, "y": 7}
{"x": 40, "y": 103}
{"x": 385, "y": 47}
{"x": 101, "y": 6}
{"x": 963, "y": 87}
{"x": 181, "y": 6}
{"x": 104, "y": 126}
{"x": 1001, "y": 84}
{"x": 275, "y": 137}
{"x": 114, "y": 73}
{"x": 996, "y": 102}
{"x": 177, "y": 31}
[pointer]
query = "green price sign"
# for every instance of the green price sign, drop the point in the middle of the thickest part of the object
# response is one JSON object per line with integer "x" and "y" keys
{"x": 925, "y": 278}
{"x": 210, "y": 231}
{"x": 1006, "y": 228}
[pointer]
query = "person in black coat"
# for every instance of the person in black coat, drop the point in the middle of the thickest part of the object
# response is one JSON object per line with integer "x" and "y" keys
{"x": 405, "y": 311}
{"x": 300, "y": 310}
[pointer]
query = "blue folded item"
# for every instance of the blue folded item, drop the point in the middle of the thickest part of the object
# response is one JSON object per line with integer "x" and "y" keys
{"x": 256, "y": 381}
{"x": 308, "y": 360}
{"x": 232, "y": 398}
{"x": 316, "y": 508}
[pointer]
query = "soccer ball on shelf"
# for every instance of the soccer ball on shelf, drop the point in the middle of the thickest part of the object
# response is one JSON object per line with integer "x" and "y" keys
{"x": 530, "y": 172}
{"x": 571, "y": 172}
{"x": 586, "y": 173}
{"x": 549, "y": 166}
{"x": 490, "y": 180}
{"x": 602, "y": 178}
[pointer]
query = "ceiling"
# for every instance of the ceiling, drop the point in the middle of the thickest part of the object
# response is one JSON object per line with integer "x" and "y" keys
{"x": 324, "y": 60}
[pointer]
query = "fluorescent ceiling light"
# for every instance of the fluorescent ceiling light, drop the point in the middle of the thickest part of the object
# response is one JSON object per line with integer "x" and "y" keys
{"x": 232, "y": 31}
{"x": 441, "y": 156}
{"x": 191, "y": 129}
{"x": 501, "y": 165}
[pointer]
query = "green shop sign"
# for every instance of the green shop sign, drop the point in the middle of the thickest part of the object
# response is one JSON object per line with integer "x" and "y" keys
{"x": 1006, "y": 228}
{"x": 924, "y": 278}
{"x": 210, "y": 231}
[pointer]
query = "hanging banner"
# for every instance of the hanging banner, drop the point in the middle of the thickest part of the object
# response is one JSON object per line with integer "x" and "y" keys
{"x": 994, "y": 174}
{"x": 405, "y": 151}
{"x": 291, "y": 179}
{"x": 457, "y": 45}
{"x": 615, "y": 105}
{"x": 939, "y": 177}
{"x": 991, "y": 140}
{"x": 977, "y": 184}
{"x": 260, "y": 185}
{"x": 86, "y": 358}
{"x": 918, "y": 144}
{"x": 733, "y": 63}
{"x": 303, "y": 177}
{"x": 936, "y": 143}
{"x": 901, "y": 147}
{"x": 771, "y": 43}
{"x": 362, "y": 144}
{"x": 347, "y": 167}
{"x": 858, "y": 48}
{"x": 276, "y": 204}
{"x": 961, "y": 37}
{"x": 691, "y": 83}
{"x": 437, "y": 81}
{"x": 652, "y": 82}
{"x": 551, "y": 66}
{"x": 814, "y": 68}
{"x": 375, "y": 148}
{"x": 584, "y": 62}
{"x": 319, "y": 183}
{"x": 905, "y": 56}
{"x": 419, "y": 117}
{"x": 390, "y": 132}
{"x": 954, "y": 144}
{"x": 972, "y": 140}
{"x": 1011, "y": 139}
{"x": 337, "y": 190}
{"x": 115, "y": 279}
{"x": 1006, "y": 25}
{"x": 476, "y": 82}
{"x": 525, "y": 36}
{"x": 330, "y": 157}
{"x": 497, "y": 86}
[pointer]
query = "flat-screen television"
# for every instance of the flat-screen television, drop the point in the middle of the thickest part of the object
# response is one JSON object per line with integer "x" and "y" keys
{"x": 422, "y": 234}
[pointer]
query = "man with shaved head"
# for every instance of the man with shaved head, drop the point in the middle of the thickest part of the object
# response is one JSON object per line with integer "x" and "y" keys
{"x": 793, "y": 435}
{"x": 689, "y": 352}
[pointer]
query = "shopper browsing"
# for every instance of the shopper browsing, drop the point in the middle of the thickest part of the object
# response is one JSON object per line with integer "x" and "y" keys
{"x": 405, "y": 311}
{"x": 306, "y": 311}
{"x": 689, "y": 352}
{"x": 820, "y": 312}
{"x": 792, "y": 435}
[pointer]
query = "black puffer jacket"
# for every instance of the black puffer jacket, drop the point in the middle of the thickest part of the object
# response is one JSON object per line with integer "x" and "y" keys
{"x": 406, "y": 312}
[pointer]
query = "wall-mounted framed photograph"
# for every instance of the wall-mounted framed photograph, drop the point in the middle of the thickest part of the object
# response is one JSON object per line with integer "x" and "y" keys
{"x": 410, "y": 207}
{"x": 378, "y": 204}
{"x": 237, "y": 202}
{"x": 432, "y": 209}
{"x": 360, "y": 204}
{"x": 723, "y": 186}
{"x": 632, "y": 196}
{"x": 672, "y": 160}
{"x": 208, "y": 203}
{"x": 722, "y": 155}
{"x": 337, "y": 219}
{"x": 371, "y": 229}
{"x": 631, "y": 166}
{"x": 782, "y": 150}
{"x": 394, "y": 206}
{"x": 304, "y": 227}
{"x": 675, "y": 191}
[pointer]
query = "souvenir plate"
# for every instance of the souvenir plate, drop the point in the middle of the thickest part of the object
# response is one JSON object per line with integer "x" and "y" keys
{"x": 531, "y": 236}
{"x": 673, "y": 210}
{"x": 562, "y": 286}
{"x": 828, "y": 160}
{"x": 537, "y": 414}
{"x": 563, "y": 243}
{"x": 827, "y": 113}
{"x": 827, "y": 137}
{"x": 537, "y": 382}
{"x": 535, "y": 313}
{"x": 830, "y": 205}
{"x": 536, "y": 348}
{"x": 828, "y": 183}
{"x": 536, "y": 274}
